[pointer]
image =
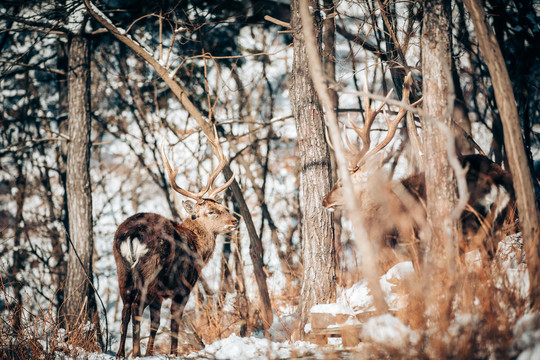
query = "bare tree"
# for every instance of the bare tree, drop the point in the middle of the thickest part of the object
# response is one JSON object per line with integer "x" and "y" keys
{"x": 80, "y": 304}
{"x": 440, "y": 183}
{"x": 441, "y": 252}
{"x": 318, "y": 281}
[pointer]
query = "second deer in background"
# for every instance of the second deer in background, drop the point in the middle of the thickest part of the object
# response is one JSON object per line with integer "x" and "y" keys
{"x": 394, "y": 211}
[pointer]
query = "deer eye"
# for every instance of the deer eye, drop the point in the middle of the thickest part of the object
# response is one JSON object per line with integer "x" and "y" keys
{"x": 210, "y": 212}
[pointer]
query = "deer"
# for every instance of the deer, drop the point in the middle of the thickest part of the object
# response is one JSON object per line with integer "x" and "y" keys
{"x": 394, "y": 212}
{"x": 158, "y": 258}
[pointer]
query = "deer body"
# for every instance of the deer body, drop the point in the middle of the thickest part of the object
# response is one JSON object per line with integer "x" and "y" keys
{"x": 394, "y": 212}
{"x": 388, "y": 217}
{"x": 158, "y": 258}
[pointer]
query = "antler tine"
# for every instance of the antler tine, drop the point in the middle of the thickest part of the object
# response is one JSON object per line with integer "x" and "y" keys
{"x": 364, "y": 132}
{"x": 392, "y": 127}
{"x": 355, "y": 156}
{"x": 219, "y": 189}
{"x": 370, "y": 118}
{"x": 222, "y": 162}
{"x": 374, "y": 113}
{"x": 349, "y": 154}
{"x": 393, "y": 124}
{"x": 328, "y": 141}
{"x": 172, "y": 177}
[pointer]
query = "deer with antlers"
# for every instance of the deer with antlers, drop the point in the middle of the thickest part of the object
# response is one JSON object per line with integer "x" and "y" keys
{"x": 394, "y": 211}
{"x": 158, "y": 258}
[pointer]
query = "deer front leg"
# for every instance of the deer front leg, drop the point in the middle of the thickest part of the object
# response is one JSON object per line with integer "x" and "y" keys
{"x": 155, "y": 316}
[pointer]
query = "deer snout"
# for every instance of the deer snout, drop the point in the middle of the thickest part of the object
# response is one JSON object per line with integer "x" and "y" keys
{"x": 233, "y": 226}
{"x": 327, "y": 205}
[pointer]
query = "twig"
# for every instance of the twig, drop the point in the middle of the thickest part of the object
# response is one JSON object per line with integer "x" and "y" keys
{"x": 277, "y": 22}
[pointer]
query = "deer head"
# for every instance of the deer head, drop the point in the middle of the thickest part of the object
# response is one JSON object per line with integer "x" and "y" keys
{"x": 363, "y": 159}
{"x": 205, "y": 208}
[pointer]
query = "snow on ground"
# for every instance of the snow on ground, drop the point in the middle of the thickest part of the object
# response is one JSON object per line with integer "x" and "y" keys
{"x": 238, "y": 348}
{"x": 235, "y": 347}
{"x": 389, "y": 330}
{"x": 527, "y": 337}
{"x": 358, "y": 297}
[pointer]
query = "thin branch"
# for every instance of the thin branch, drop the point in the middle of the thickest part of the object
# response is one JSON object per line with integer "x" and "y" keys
{"x": 35, "y": 67}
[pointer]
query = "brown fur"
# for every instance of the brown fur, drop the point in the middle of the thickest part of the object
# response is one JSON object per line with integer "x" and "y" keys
{"x": 175, "y": 256}
{"x": 388, "y": 218}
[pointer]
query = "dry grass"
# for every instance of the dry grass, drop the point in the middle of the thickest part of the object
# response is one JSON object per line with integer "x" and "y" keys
{"x": 468, "y": 312}
{"x": 25, "y": 334}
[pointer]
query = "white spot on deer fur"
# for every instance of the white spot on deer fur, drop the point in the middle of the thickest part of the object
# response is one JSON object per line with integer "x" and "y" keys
{"x": 499, "y": 197}
{"x": 490, "y": 198}
{"x": 502, "y": 201}
{"x": 132, "y": 250}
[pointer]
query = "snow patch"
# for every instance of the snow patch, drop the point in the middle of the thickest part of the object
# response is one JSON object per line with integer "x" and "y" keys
{"x": 332, "y": 309}
{"x": 390, "y": 331}
{"x": 238, "y": 348}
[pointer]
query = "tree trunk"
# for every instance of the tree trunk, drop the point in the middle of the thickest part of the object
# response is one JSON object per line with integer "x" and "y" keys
{"x": 59, "y": 253}
{"x": 513, "y": 142}
{"x": 318, "y": 281}
{"x": 440, "y": 182}
{"x": 18, "y": 257}
{"x": 441, "y": 251}
{"x": 328, "y": 58}
{"x": 80, "y": 304}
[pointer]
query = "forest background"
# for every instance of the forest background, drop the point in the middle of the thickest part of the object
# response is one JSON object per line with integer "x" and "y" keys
{"x": 90, "y": 90}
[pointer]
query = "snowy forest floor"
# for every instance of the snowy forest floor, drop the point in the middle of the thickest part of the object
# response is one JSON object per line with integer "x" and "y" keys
{"x": 515, "y": 333}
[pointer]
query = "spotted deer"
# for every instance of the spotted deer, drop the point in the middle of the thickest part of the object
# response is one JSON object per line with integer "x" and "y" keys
{"x": 394, "y": 211}
{"x": 158, "y": 258}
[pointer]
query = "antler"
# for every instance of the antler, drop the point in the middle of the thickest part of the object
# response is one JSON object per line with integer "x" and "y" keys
{"x": 222, "y": 162}
{"x": 364, "y": 132}
{"x": 360, "y": 157}
{"x": 199, "y": 196}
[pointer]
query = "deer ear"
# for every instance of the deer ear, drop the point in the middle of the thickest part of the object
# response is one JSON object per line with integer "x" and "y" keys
{"x": 191, "y": 207}
{"x": 218, "y": 199}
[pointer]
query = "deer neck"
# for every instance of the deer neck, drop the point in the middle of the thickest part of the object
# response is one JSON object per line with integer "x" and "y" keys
{"x": 205, "y": 240}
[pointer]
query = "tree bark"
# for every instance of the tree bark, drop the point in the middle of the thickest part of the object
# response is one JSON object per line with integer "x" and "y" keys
{"x": 18, "y": 257}
{"x": 513, "y": 141}
{"x": 440, "y": 181}
{"x": 80, "y": 304}
{"x": 329, "y": 65}
{"x": 59, "y": 254}
{"x": 318, "y": 280}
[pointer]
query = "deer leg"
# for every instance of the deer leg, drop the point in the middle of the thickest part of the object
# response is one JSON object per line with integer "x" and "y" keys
{"x": 126, "y": 314}
{"x": 155, "y": 316}
{"x": 136, "y": 312}
{"x": 176, "y": 313}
